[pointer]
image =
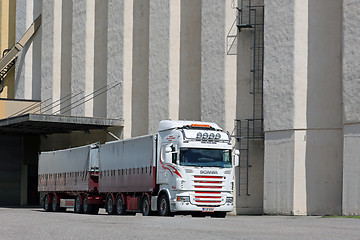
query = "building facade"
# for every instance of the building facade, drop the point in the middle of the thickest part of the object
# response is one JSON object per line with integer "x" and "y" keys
{"x": 281, "y": 77}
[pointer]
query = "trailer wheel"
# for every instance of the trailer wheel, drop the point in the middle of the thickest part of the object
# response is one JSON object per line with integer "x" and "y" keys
{"x": 145, "y": 206}
{"x": 120, "y": 207}
{"x": 110, "y": 207}
{"x": 55, "y": 206}
{"x": 88, "y": 208}
{"x": 164, "y": 206}
{"x": 47, "y": 205}
{"x": 78, "y": 206}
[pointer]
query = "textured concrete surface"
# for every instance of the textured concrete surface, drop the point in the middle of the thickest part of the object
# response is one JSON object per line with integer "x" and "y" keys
{"x": 36, "y": 224}
{"x": 190, "y": 60}
{"x": 28, "y": 65}
{"x": 351, "y": 176}
{"x": 159, "y": 54}
{"x": 114, "y": 58}
{"x": 213, "y": 52}
{"x": 351, "y": 54}
{"x": 140, "y": 71}
{"x": 279, "y": 32}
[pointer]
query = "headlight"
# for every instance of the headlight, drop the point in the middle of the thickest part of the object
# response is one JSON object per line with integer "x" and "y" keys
{"x": 198, "y": 135}
{"x": 183, "y": 199}
{"x": 229, "y": 199}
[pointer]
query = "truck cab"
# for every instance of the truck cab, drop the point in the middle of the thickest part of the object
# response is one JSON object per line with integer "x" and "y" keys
{"x": 195, "y": 168}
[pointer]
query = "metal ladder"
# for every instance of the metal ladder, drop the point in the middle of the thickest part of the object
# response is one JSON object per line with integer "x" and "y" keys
{"x": 10, "y": 56}
{"x": 251, "y": 19}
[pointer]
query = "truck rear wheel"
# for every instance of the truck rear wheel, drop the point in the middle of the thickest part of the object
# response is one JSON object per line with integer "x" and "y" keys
{"x": 47, "y": 205}
{"x": 110, "y": 207}
{"x": 120, "y": 207}
{"x": 78, "y": 208}
{"x": 145, "y": 206}
{"x": 164, "y": 206}
{"x": 55, "y": 206}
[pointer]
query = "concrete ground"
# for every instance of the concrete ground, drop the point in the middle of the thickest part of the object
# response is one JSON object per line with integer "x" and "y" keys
{"x": 33, "y": 223}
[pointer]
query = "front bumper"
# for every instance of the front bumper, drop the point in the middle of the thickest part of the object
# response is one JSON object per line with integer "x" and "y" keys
{"x": 188, "y": 207}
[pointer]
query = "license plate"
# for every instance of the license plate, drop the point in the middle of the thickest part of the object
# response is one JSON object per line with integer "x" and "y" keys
{"x": 208, "y": 209}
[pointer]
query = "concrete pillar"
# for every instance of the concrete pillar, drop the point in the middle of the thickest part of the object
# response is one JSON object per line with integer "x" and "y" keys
{"x": 164, "y": 59}
{"x": 101, "y": 60}
{"x": 128, "y": 67}
{"x": 351, "y": 107}
{"x": 82, "y": 73}
{"x": 140, "y": 70}
{"x": 324, "y": 108}
{"x": 285, "y": 88}
{"x": 51, "y": 55}
{"x": 7, "y": 41}
{"x": 66, "y": 57}
{"x": 302, "y": 98}
{"x": 119, "y": 61}
{"x": 213, "y": 52}
{"x": 190, "y": 60}
{"x": 28, "y": 64}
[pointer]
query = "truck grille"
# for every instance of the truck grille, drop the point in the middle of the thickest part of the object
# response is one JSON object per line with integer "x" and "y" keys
{"x": 208, "y": 189}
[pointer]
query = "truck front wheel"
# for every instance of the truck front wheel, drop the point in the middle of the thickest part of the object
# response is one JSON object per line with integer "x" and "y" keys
{"x": 164, "y": 206}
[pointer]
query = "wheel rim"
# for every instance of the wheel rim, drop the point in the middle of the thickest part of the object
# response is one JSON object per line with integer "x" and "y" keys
{"x": 119, "y": 205}
{"x": 46, "y": 203}
{"x": 163, "y": 206}
{"x": 54, "y": 203}
{"x": 110, "y": 205}
{"x": 77, "y": 204}
{"x": 146, "y": 207}
{"x": 85, "y": 204}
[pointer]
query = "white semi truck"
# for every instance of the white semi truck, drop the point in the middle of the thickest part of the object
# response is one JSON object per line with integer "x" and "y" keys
{"x": 187, "y": 167}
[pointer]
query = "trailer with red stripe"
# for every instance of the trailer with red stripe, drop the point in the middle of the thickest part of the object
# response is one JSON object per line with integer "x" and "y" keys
{"x": 186, "y": 168}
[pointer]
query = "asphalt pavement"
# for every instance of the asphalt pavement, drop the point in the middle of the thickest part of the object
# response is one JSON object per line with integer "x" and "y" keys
{"x": 34, "y": 223}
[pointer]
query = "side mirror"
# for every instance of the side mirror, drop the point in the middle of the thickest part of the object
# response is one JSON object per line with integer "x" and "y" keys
{"x": 168, "y": 154}
{"x": 236, "y": 158}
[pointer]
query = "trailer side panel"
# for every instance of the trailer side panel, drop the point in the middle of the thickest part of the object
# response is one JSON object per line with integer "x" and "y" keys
{"x": 126, "y": 166}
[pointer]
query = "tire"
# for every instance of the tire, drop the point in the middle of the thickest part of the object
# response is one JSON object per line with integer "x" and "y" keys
{"x": 55, "y": 206}
{"x": 47, "y": 205}
{"x": 120, "y": 207}
{"x": 88, "y": 208}
{"x": 110, "y": 207}
{"x": 164, "y": 206}
{"x": 145, "y": 206}
{"x": 78, "y": 208}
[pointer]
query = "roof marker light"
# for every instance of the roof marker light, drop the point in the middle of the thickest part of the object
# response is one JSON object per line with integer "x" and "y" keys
{"x": 217, "y": 136}
{"x": 205, "y": 135}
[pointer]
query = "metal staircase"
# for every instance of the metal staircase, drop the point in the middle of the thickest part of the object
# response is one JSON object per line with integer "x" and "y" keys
{"x": 251, "y": 19}
{"x": 10, "y": 55}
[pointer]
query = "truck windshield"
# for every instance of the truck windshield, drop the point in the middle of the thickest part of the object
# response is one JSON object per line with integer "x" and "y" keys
{"x": 201, "y": 157}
